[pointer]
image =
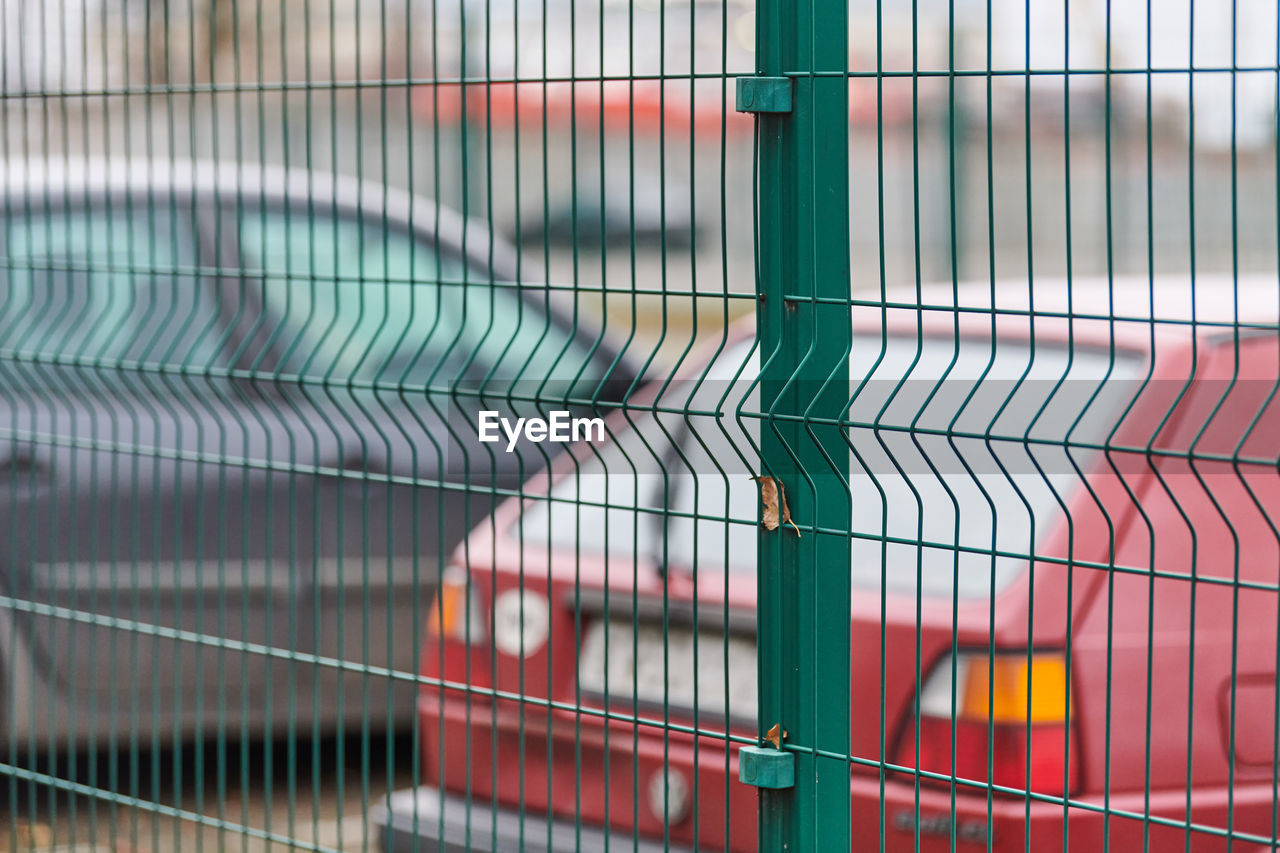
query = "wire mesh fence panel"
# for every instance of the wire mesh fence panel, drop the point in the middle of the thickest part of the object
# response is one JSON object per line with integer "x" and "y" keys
{"x": 639, "y": 425}
{"x": 1064, "y": 302}
{"x": 299, "y": 300}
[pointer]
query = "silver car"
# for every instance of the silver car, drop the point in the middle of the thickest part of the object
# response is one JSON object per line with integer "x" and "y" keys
{"x": 237, "y": 418}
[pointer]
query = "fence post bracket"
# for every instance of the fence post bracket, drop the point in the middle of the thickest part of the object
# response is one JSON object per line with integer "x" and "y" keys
{"x": 764, "y": 95}
{"x": 766, "y": 767}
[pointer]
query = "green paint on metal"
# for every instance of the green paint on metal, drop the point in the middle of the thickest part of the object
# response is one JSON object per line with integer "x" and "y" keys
{"x": 764, "y": 94}
{"x": 805, "y": 332}
{"x": 765, "y": 767}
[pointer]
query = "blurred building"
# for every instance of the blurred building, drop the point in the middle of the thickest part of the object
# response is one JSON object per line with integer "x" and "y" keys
{"x": 72, "y": 46}
{"x": 53, "y": 45}
{"x": 1169, "y": 37}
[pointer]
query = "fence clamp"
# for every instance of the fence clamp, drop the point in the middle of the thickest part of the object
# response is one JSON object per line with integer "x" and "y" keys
{"x": 764, "y": 94}
{"x": 766, "y": 767}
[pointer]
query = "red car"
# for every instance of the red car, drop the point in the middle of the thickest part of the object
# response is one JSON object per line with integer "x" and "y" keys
{"x": 1124, "y": 436}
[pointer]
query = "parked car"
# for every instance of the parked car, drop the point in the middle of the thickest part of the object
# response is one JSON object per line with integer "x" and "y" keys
{"x": 593, "y": 624}
{"x": 238, "y": 409}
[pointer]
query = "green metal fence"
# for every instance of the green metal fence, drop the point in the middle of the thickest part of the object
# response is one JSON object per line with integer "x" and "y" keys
{"x": 639, "y": 425}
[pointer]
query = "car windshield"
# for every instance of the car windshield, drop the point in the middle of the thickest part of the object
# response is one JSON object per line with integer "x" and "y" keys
{"x": 926, "y": 505}
{"x": 359, "y": 300}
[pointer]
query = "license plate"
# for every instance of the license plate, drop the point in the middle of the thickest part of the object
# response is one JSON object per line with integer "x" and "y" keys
{"x": 652, "y": 668}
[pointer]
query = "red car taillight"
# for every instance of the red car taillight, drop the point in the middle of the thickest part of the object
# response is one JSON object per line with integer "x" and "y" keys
{"x": 456, "y": 613}
{"x": 1012, "y": 725}
{"x": 457, "y": 647}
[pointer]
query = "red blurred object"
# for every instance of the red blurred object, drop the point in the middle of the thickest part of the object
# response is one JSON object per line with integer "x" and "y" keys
{"x": 1007, "y": 746}
{"x": 624, "y": 106}
{"x": 642, "y": 106}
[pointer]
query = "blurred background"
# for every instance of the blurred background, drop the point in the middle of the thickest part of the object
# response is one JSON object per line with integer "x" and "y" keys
{"x": 1096, "y": 160}
{"x": 998, "y": 139}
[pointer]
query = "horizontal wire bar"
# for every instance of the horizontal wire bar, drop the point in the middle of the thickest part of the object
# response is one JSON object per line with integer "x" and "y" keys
{"x": 980, "y": 786}
{"x": 160, "y": 809}
{"x": 483, "y": 80}
{"x": 378, "y": 83}
{"x": 255, "y": 274}
{"x": 259, "y": 275}
{"x": 983, "y": 73}
{"x": 1002, "y": 311}
{"x": 259, "y": 649}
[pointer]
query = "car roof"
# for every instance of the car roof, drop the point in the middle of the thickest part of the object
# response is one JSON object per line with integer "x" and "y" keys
{"x": 1216, "y": 301}
{"x": 1216, "y": 298}
{"x": 65, "y": 178}
{"x": 1094, "y": 311}
{"x": 70, "y": 178}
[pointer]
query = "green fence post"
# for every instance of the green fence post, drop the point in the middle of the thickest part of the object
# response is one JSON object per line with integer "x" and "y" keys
{"x": 806, "y": 336}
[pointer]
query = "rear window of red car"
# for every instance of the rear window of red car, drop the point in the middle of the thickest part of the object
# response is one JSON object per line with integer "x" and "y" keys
{"x": 948, "y": 476}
